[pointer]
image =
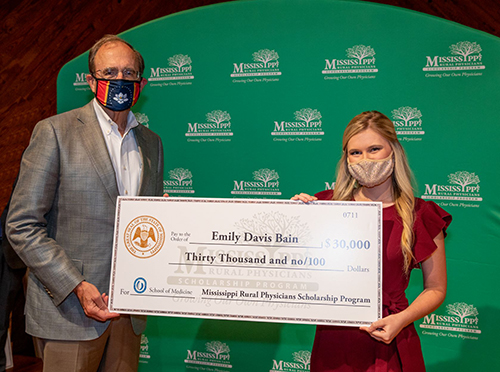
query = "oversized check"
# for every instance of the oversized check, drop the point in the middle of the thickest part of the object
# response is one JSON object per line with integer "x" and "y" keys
{"x": 247, "y": 259}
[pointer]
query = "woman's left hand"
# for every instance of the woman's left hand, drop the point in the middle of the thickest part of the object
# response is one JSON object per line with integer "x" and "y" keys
{"x": 385, "y": 329}
{"x": 434, "y": 272}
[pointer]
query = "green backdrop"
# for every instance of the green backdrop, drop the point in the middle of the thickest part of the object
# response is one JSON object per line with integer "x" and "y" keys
{"x": 261, "y": 90}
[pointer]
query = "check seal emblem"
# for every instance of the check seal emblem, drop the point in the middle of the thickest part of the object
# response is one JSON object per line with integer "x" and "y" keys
{"x": 144, "y": 236}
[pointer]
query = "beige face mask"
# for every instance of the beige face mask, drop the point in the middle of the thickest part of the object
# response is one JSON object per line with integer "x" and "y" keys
{"x": 370, "y": 173}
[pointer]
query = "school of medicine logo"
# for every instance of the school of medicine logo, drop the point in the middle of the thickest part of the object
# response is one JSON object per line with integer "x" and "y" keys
{"x": 180, "y": 182}
{"x": 360, "y": 60}
{"x": 217, "y": 128}
{"x": 140, "y": 285}
{"x": 216, "y": 354}
{"x": 178, "y": 71}
{"x": 464, "y": 56}
{"x": 265, "y": 182}
{"x": 462, "y": 188}
{"x": 301, "y": 362}
{"x": 407, "y": 122}
{"x": 265, "y": 63}
{"x": 80, "y": 82}
{"x": 142, "y": 119}
{"x": 460, "y": 317}
{"x": 144, "y": 236}
{"x": 308, "y": 123}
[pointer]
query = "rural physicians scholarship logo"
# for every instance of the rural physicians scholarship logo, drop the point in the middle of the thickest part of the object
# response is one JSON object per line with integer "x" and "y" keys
{"x": 407, "y": 122}
{"x": 181, "y": 182}
{"x": 360, "y": 60}
{"x": 80, "y": 82}
{"x": 301, "y": 362}
{"x": 265, "y": 63}
{"x": 216, "y": 354}
{"x": 462, "y": 187}
{"x": 265, "y": 182}
{"x": 217, "y": 124}
{"x": 179, "y": 69}
{"x": 460, "y": 317}
{"x": 144, "y": 236}
{"x": 307, "y": 123}
{"x": 463, "y": 56}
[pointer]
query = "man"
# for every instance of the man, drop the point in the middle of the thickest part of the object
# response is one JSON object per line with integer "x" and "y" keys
{"x": 62, "y": 212}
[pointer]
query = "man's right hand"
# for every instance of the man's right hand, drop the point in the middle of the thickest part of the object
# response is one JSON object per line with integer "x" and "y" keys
{"x": 93, "y": 303}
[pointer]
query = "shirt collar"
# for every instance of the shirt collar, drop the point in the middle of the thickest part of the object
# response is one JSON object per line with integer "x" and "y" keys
{"x": 105, "y": 121}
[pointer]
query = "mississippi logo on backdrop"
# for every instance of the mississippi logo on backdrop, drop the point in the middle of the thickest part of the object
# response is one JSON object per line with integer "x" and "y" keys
{"x": 217, "y": 128}
{"x": 462, "y": 189}
{"x": 265, "y": 182}
{"x": 408, "y": 123}
{"x": 181, "y": 181}
{"x": 360, "y": 60}
{"x": 265, "y": 63}
{"x": 142, "y": 119}
{"x": 460, "y": 321}
{"x": 329, "y": 185}
{"x": 144, "y": 236}
{"x": 178, "y": 72}
{"x": 80, "y": 82}
{"x": 144, "y": 350}
{"x": 216, "y": 354}
{"x": 464, "y": 56}
{"x": 308, "y": 123}
{"x": 301, "y": 362}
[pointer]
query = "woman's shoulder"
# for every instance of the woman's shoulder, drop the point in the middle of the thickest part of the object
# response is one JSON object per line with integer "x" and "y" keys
{"x": 427, "y": 206}
{"x": 324, "y": 195}
{"x": 431, "y": 215}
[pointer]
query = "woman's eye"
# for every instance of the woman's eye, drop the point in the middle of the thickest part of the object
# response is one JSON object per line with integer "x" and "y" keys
{"x": 375, "y": 149}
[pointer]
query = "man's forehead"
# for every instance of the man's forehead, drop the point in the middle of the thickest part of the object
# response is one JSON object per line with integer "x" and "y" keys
{"x": 114, "y": 51}
{"x": 113, "y": 44}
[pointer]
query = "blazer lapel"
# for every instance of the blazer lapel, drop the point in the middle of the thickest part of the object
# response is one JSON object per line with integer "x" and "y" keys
{"x": 93, "y": 141}
{"x": 145, "y": 152}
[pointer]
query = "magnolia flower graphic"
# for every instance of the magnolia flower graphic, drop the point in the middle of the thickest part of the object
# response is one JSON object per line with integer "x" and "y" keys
{"x": 120, "y": 98}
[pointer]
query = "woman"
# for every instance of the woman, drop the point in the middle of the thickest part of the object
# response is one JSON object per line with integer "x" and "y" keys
{"x": 374, "y": 167}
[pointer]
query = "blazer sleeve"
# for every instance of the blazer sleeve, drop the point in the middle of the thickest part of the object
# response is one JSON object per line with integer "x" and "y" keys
{"x": 29, "y": 217}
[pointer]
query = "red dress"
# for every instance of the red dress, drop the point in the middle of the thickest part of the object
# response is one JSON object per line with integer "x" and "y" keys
{"x": 348, "y": 349}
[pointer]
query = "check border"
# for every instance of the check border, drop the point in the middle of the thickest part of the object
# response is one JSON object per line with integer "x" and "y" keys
{"x": 234, "y": 316}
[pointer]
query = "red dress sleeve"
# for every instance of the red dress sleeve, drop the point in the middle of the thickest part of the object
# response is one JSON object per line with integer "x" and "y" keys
{"x": 430, "y": 220}
{"x": 324, "y": 195}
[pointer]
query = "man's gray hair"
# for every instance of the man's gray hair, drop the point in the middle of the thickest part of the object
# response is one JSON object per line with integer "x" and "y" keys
{"x": 113, "y": 39}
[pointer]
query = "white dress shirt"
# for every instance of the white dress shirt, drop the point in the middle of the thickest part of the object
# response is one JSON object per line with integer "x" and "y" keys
{"x": 123, "y": 151}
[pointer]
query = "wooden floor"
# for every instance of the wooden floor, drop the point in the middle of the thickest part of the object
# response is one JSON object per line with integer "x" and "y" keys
{"x": 26, "y": 364}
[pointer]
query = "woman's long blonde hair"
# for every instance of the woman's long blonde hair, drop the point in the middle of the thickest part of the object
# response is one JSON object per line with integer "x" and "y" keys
{"x": 402, "y": 177}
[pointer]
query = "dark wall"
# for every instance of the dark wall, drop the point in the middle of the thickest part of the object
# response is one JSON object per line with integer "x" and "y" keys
{"x": 38, "y": 37}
